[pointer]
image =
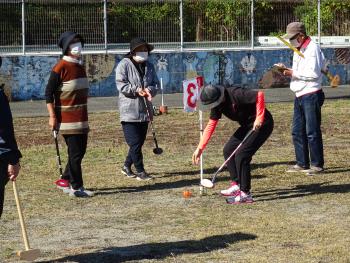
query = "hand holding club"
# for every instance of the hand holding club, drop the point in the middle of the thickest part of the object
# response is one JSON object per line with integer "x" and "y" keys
{"x": 53, "y": 122}
{"x": 13, "y": 171}
{"x": 145, "y": 92}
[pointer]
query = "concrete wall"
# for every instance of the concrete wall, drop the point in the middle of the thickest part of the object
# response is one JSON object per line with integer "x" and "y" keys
{"x": 26, "y": 77}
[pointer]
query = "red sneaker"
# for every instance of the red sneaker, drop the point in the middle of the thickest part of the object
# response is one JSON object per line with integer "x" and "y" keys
{"x": 62, "y": 183}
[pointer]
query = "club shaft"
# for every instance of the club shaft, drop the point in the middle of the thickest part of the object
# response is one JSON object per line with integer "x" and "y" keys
{"x": 151, "y": 123}
{"x": 20, "y": 215}
{"x": 58, "y": 156}
{"x": 232, "y": 154}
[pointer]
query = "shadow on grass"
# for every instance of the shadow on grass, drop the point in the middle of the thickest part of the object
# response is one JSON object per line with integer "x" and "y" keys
{"x": 301, "y": 191}
{"x": 209, "y": 171}
{"x": 335, "y": 170}
{"x": 160, "y": 185}
{"x": 212, "y": 170}
{"x": 158, "y": 250}
{"x": 265, "y": 165}
{"x": 151, "y": 187}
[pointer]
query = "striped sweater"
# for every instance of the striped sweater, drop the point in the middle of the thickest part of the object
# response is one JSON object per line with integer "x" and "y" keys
{"x": 68, "y": 89}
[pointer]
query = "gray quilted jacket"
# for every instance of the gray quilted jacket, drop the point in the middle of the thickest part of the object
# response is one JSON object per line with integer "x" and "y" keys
{"x": 131, "y": 105}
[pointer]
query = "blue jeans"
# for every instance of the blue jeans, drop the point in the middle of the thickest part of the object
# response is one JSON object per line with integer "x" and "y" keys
{"x": 306, "y": 130}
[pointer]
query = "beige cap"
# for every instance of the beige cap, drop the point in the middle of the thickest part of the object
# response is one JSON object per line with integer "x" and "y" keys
{"x": 293, "y": 29}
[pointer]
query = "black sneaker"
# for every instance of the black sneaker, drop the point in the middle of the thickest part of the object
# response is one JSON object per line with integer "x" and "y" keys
{"x": 143, "y": 176}
{"x": 128, "y": 172}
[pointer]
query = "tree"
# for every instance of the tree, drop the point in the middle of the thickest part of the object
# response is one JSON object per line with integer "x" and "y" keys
{"x": 335, "y": 16}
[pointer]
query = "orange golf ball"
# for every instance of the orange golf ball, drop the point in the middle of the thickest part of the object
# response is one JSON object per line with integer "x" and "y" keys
{"x": 187, "y": 194}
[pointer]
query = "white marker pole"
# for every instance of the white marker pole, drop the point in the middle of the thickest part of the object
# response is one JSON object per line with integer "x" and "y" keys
{"x": 161, "y": 88}
{"x": 201, "y": 188}
{"x": 201, "y": 135}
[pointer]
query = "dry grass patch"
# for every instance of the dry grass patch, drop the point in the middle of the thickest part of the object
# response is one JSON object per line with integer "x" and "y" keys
{"x": 295, "y": 218}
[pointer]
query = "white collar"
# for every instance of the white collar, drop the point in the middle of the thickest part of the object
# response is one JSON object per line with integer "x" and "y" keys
{"x": 73, "y": 60}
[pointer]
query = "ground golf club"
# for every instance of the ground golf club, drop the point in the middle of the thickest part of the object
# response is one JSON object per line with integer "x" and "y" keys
{"x": 28, "y": 254}
{"x": 156, "y": 150}
{"x": 55, "y": 133}
{"x": 210, "y": 183}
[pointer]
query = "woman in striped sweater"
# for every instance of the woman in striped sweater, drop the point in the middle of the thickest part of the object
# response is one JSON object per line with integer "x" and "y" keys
{"x": 66, "y": 97}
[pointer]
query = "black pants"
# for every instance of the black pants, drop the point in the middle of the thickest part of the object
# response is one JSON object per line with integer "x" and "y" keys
{"x": 239, "y": 165}
{"x": 3, "y": 181}
{"x": 135, "y": 136}
{"x": 76, "y": 150}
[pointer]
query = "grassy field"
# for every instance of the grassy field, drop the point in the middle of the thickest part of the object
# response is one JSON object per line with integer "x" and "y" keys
{"x": 296, "y": 218}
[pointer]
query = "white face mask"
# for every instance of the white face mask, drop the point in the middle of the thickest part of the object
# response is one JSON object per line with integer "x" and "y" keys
{"x": 294, "y": 43}
{"x": 140, "y": 57}
{"x": 75, "y": 49}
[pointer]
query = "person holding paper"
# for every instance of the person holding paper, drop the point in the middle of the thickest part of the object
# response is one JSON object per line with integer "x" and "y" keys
{"x": 306, "y": 79}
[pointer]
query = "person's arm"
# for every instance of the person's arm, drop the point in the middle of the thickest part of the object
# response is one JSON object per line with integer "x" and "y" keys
{"x": 260, "y": 111}
{"x": 52, "y": 116}
{"x": 52, "y": 85}
{"x": 154, "y": 85}
{"x": 9, "y": 151}
{"x": 208, "y": 132}
{"x": 123, "y": 84}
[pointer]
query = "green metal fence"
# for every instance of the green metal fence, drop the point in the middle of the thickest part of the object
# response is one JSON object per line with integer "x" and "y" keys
{"x": 34, "y": 26}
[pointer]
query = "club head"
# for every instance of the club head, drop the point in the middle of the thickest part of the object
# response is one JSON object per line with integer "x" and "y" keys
{"x": 29, "y": 255}
{"x": 207, "y": 183}
{"x": 158, "y": 151}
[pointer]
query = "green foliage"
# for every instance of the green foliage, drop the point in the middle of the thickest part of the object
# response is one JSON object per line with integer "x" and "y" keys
{"x": 158, "y": 21}
{"x": 330, "y": 11}
{"x": 143, "y": 12}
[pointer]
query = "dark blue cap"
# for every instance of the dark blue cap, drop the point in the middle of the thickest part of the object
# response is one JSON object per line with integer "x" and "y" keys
{"x": 66, "y": 38}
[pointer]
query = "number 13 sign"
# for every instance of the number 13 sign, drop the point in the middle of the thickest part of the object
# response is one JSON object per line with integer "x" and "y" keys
{"x": 191, "y": 93}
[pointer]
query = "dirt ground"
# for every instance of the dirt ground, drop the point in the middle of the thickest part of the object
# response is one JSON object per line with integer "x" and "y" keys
{"x": 295, "y": 218}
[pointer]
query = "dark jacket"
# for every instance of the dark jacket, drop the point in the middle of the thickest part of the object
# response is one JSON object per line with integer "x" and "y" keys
{"x": 240, "y": 106}
{"x": 8, "y": 146}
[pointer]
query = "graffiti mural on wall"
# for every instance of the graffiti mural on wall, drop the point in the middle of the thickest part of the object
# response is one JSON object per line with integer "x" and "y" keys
{"x": 26, "y": 77}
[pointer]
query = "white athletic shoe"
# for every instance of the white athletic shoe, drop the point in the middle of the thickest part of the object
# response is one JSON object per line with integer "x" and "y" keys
{"x": 81, "y": 192}
{"x": 296, "y": 168}
{"x": 231, "y": 191}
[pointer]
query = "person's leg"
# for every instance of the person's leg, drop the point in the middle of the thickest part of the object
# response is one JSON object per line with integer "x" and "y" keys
{"x": 3, "y": 181}
{"x": 128, "y": 160}
{"x": 248, "y": 149}
{"x": 135, "y": 134}
{"x": 299, "y": 135}
{"x": 312, "y": 107}
{"x": 229, "y": 147}
{"x": 76, "y": 150}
